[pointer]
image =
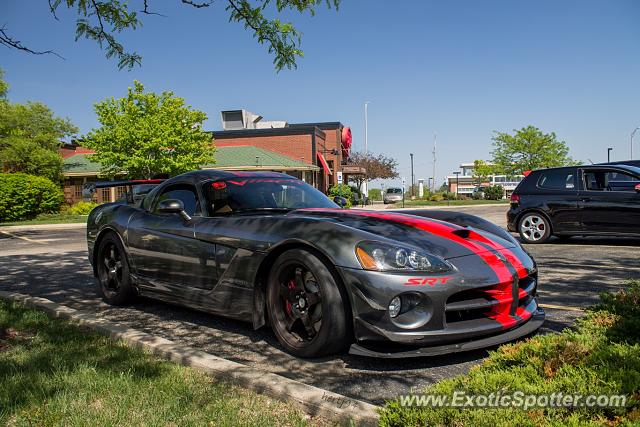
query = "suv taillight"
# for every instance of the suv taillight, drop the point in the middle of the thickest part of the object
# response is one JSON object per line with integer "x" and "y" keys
{"x": 515, "y": 199}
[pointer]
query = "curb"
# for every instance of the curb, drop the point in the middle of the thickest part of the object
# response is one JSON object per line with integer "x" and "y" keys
{"x": 35, "y": 227}
{"x": 313, "y": 400}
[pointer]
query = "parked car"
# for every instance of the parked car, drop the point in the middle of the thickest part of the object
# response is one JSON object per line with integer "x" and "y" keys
{"x": 584, "y": 200}
{"x": 392, "y": 195}
{"x": 266, "y": 248}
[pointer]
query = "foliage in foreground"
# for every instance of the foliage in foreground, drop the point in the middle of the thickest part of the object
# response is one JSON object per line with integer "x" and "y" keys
{"x": 25, "y": 196}
{"x": 101, "y": 21}
{"x": 54, "y": 373}
{"x": 600, "y": 356}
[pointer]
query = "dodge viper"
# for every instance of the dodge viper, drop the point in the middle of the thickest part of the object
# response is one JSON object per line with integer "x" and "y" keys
{"x": 269, "y": 249}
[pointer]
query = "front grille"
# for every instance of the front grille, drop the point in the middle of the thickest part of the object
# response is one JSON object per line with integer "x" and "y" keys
{"x": 470, "y": 304}
{"x": 490, "y": 301}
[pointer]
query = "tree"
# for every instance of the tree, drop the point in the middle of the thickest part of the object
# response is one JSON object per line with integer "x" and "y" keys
{"x": 147, "y": 134}
{"x": 528, "y": 149}
{"x": 483, "y": 170}
{"x": 30, "y": 136}
{"x": 100, "y": 20}
{"x": 377, "y": 166}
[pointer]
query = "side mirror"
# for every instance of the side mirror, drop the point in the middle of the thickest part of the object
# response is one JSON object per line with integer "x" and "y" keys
{"x": 173, "y": 206}
{"x": 340, "y": 201}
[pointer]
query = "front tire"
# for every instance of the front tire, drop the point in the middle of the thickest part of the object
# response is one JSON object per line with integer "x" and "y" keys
{"x": 534, "y": 228}
{"x": 306, "y": 308}
{"x": 114, "y": 279}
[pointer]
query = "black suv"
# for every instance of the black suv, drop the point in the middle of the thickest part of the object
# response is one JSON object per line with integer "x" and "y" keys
{"x": 581, "y": 200}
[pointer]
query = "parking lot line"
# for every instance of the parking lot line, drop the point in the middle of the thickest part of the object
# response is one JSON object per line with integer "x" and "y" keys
{"x": 26, "y": 239}
{"x": 561, "y": 307}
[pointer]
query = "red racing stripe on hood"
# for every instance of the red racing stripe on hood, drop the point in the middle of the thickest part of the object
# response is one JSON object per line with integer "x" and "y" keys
{"x": 502, "y": 291}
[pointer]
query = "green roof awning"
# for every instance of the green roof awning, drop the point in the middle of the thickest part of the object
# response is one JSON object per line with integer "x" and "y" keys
{"x": 245, "y": 157}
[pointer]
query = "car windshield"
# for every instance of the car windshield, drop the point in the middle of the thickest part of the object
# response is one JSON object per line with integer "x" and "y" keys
{"x": 394, "y": 191}
{"x": 250, "y": 194}
{"x": 633, "y": 169}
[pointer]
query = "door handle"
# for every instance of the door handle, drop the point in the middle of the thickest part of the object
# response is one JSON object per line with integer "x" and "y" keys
{"x": 585, "y": 199}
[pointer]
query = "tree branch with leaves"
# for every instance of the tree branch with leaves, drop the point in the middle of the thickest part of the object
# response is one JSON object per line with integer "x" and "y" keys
{"x": 377, "y": 166}
{"x": 102, "y": 20}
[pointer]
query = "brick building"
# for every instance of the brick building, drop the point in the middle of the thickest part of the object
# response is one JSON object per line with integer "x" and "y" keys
{"x": 323, "y": 144}
{"x": 313, "y": 152}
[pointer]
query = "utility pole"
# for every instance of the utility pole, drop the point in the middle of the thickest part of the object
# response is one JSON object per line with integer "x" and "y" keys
{"x": 632, "y": 135}
{"x": 435, "y": 139}
{"x": 609, "y": 154}
{"x": 412, "y": 180}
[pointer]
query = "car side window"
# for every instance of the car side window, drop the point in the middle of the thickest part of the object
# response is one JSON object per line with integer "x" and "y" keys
{"x": 609, "y": 180}
{"x": 183, "y": 192}
{"x": 557, "y": 179}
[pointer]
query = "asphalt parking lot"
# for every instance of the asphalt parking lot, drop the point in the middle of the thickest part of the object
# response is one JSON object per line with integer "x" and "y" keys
{"x": 53, "y": 264}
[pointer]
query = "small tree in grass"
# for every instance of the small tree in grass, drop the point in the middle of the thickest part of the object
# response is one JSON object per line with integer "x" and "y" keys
{"x": 147, "y": 134}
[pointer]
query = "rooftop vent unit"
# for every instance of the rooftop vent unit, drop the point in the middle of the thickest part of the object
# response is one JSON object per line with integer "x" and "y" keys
{"x": 243, "y": 119}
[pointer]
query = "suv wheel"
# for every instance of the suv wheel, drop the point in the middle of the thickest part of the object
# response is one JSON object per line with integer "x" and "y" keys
{"x": 534, "y": 228}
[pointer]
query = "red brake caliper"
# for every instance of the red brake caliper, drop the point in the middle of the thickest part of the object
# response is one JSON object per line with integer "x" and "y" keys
{"x": 291, "y": 286}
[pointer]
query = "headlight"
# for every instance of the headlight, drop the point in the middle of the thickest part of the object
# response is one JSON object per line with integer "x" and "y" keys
{"x": 385, "y": 257}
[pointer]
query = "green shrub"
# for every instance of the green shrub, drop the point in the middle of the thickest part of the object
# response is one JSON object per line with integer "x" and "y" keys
{"x": 494, "y": 192}
{"x": 25, "y": 196}
{"x": 342, "y": 190}
{"x": 375, "y": 194}
{"x": 449, "y": 195}
{"x": 80, "y": 208}
{"x": 477, "y": 195}
{"x": 436, "y": 197}
{"x": 600, "y": 356}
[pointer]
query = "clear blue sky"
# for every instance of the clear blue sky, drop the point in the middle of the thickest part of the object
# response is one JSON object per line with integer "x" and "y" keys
{"x": 459, "y": 68}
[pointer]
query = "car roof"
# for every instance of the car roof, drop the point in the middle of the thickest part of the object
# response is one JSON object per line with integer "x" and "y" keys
{"x": 626, "y": 167}
{"x": 210, "y": 174}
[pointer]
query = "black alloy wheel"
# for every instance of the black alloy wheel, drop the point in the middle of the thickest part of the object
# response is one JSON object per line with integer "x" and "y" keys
{"x": 305, "y": 306}
{"x": 113, "y": 272}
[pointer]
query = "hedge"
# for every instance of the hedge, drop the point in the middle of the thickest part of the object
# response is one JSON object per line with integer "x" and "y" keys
{"x": 599, "y": 356}
{"x": 25, "y": 196}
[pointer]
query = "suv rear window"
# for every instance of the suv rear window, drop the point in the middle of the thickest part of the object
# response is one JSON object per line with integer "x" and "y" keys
{"x": 558, "y": 180}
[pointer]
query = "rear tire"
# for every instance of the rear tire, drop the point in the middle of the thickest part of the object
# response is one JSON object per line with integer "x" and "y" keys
{"x": 114, "y": 279}
{"x": 306, "y": 308}
{"x": 534, "y": 228}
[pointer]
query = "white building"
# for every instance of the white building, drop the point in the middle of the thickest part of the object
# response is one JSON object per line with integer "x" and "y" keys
{"x": 465, "y": 183}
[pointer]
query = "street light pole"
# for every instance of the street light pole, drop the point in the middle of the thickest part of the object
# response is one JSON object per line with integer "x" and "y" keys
{"x": 609, "y": 154}
{"x": 632, "y": 135}
{"x": 366, "y": 127}
{"x": 412, "y": 181}
{"x": 457, "y": 174}
{"x": 365, "y": 190}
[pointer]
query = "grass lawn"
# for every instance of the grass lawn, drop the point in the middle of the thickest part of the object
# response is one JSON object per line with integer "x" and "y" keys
{"x": 600, "y": 356}
{"x": 50, "y": 219}
{"x": 55, "y": 373}
{"x": 469, "y": 202}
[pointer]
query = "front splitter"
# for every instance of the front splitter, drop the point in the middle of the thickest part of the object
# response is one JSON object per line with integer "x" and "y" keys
{"x": 532, "y": 325}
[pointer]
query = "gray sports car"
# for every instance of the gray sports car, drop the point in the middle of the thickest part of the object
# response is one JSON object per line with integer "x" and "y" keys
{"x": 267, "y": 248}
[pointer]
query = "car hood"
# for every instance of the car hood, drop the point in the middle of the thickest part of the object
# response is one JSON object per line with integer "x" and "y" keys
{"x": 436, "y": 237}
